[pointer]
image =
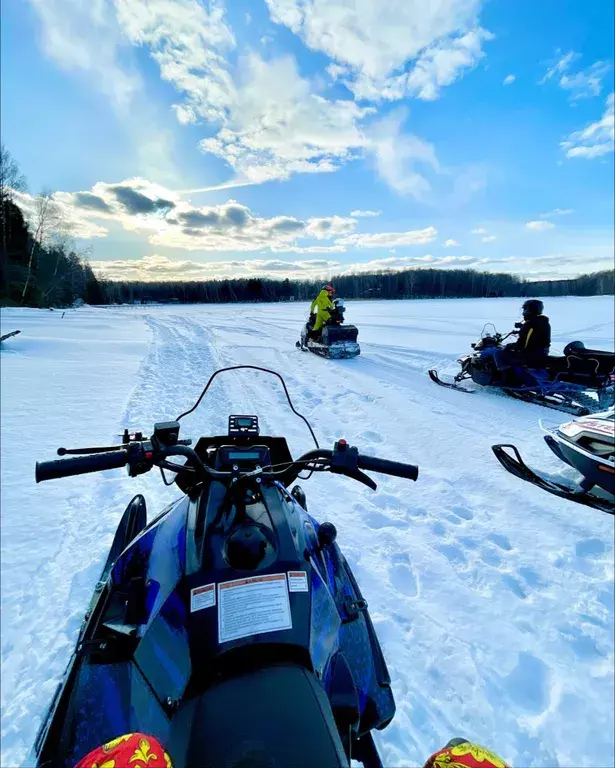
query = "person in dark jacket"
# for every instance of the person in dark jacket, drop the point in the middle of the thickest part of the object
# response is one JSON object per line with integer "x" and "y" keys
{"x": 532, "y": 347}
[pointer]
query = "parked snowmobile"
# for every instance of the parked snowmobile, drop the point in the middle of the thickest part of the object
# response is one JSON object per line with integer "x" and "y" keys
{"x": 586, "y": 444}
{"x": 336, "y": 340}
{"x": 567, "y": 383}
{"x": 230, "y": 626}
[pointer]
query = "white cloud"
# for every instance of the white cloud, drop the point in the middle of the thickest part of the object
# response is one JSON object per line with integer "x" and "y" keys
{"x": 509, "y": 79}
{"x": 68, "y": 31}
{"x": 86, "y": 39}
{"x": 365, "y": 214}
{"x": 596, "y": 139}
{"x": 398, "y": 263}
{"x": 332, "y": 226}
{"x": 157, "y": 267}
{"x": 70, "y": 221}
{"x": 540, "y": 226}
{"x": 397, "y": 154}
{"x": 374, "y": 44}
{"x": 444, "y": 62}
{"x": 164, "y": 219}
{"x": 390, "y": 239}
{"x": 560, "y": 66}
{"x": 277, "y": 125}
{"x": 189, "y": 43}
{"x": 557, "y": 212}
{"x": 479, "y": 231}
{"x": 489, "y": 239}
{"x": 451, "y": 244}
{"x": 581, "y": 84}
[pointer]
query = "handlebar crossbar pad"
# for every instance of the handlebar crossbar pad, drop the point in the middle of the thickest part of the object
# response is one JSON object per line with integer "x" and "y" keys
{"x": 97, "y": 462}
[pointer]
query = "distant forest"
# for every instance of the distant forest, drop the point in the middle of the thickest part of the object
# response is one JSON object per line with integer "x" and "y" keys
{"x": 40, "y": 266}
{"x": 409, "y": 284}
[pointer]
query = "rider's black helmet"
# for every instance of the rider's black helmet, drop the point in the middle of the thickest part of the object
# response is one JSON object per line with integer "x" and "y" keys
{"x": 532, "y": 308}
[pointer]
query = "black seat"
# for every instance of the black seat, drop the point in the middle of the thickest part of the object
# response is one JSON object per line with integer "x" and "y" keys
{"x": 270, "y": 718}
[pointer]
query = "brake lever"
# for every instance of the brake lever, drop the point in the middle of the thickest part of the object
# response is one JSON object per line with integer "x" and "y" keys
{"x": 87, "y": 451}
{"x": 361, "y": 477}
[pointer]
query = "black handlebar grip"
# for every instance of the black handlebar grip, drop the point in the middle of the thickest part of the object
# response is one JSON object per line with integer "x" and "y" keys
{"x": 385, "y": 467}
{"x": 49, "y": 470}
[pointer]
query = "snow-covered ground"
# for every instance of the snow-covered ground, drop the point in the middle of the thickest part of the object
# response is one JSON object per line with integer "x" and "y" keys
{"x": 493, "y": 600}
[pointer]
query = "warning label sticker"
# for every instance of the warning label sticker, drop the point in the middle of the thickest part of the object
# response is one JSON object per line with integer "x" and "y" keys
{"x": 253, "y": 606}
{"x": 297, "y": 581}
{"x": 202, "y": 597}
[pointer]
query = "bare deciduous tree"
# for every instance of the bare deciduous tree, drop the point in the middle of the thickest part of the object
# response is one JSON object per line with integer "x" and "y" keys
{"x": 46, "y": 224}
{"x": 11, "y": 178}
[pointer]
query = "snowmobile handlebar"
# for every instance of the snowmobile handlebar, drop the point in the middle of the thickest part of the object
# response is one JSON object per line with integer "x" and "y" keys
{"x": 140, "y": 457}
{"x": 96, "y": 462}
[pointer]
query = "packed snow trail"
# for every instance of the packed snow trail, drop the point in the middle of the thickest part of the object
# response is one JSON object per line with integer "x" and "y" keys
{"x": 493, "y": 600}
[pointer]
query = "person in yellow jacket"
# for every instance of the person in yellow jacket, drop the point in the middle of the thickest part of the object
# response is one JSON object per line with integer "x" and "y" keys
{"x": 321, "y": 306}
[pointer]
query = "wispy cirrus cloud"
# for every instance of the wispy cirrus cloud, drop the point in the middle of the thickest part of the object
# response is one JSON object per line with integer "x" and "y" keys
{"x": 581, "y": 84}
{"x": 596, "y": 139}
{"x": 557, "y": 212}
{"x": 390, "y": 239}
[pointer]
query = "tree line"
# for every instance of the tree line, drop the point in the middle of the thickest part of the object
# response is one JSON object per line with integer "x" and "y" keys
{"x": 409, "y": 284}
{"x": 41, "y": 266}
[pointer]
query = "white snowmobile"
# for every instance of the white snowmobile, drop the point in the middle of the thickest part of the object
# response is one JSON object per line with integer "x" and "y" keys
{"x": 335, "y": 341}
{"x": 586, "y": 444}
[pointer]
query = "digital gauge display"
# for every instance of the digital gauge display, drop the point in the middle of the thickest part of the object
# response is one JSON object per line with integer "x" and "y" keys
{"x": 243, "y": 455}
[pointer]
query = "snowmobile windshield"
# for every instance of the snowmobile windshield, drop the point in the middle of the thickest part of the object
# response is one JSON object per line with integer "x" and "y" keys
{"x": 489, "y": 329}
{"x": 251, "y": 368}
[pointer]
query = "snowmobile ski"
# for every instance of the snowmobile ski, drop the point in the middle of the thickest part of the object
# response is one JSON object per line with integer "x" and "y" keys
{"x": 433, "y": 375}
{"x": 8, "y": 335}
{"x": 516, "y": 466}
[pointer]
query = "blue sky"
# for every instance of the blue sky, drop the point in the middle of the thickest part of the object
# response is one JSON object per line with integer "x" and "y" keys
{"x": 309, "y": 137}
